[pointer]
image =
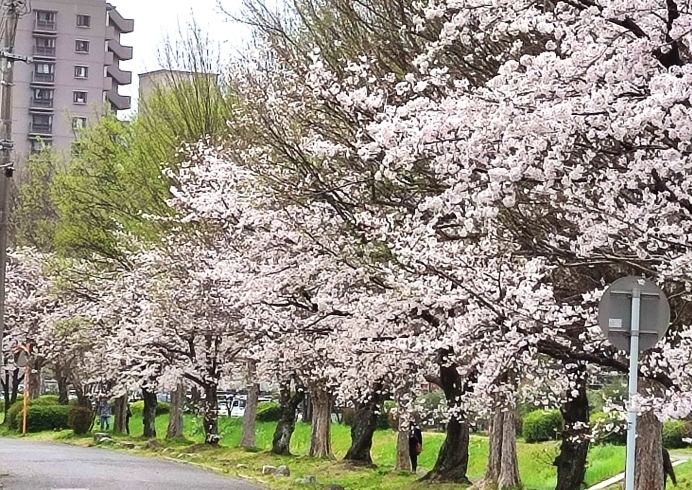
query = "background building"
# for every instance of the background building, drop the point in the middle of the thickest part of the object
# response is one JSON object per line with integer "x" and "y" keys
{"x": 76, "y": 48}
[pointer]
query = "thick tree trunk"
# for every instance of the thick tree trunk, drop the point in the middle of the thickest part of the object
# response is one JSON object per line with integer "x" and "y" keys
{"x": 320, "y": 442}
{"x": 150, "y": 403}
{"x": 453, "y": 458}
{"x": 248, "y": 438}
{"x": 281, "y": 442}
{"x": 175, "y": 419}
{"x": 211, "y": 415}
{"x": 403, "y": 458}
{"x": 35, "y": 367}
{"x": 362, "y": 430}
{"x": 494, "y": 465}
{"x": 63, "y": 392}
{"x": 119, "y": 425}
{"x": 509, "y": 469}
{"x": 571, "y": 462}
{"x": 649, "y": 473}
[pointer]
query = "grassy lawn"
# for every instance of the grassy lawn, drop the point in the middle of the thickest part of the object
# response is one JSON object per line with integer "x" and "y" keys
{"x": 535, "y": 460}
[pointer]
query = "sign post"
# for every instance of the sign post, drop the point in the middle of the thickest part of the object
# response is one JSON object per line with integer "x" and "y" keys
{"x": 634, "y": 314}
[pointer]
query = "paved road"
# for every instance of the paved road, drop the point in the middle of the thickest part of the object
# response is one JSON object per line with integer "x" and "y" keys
{"x": 30, "y": 465}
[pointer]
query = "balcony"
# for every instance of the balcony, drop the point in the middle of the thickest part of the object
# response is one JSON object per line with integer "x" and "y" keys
{"x": 45, "y": 25}
{"x": 121, "y": 23}
{"x": 41, "y": 103}
{"x": 121, "y": 77}
{"x": 111, "y": 33}
{"x": 42, "y": 77}
{"x": 121, "y": 52}
{"x": 107, "y": 84}
{"x": 40, "y": 128}
{"x": 120, "y": 102}
{"x": 44, "y": 51}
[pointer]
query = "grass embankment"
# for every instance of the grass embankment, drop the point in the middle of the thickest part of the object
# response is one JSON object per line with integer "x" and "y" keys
{"x": 535, "y": 460}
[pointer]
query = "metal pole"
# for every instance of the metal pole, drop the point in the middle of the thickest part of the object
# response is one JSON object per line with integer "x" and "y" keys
{"x": 7, "y": 65}
{"x": 633, "y": 374}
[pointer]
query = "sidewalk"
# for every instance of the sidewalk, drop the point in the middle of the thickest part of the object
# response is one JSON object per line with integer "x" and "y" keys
{"x": 679, "y": 459}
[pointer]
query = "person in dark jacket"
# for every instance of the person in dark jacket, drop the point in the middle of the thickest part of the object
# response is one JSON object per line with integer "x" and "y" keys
{"x": 668, "y": 470}
{"x": 415, "y": 446}
{"x": 128, "y": 415}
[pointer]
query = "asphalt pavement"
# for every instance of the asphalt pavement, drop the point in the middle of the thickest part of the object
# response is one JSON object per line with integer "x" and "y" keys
{"x": 32, "y": 465}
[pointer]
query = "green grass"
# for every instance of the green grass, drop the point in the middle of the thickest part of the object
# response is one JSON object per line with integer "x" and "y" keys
{"x": 535, "y": 460}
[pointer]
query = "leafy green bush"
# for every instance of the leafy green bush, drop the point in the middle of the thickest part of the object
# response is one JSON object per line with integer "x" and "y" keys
{"x": 14, "y": 414}
{"x": 79, "y": 419}
{"x": 268, "y": 412}
{"x": 162, "y": 408}
{"x": 46, "y": 417}
{"x": 608, "y": 428}
{"x": 542, "y": 425}
{"x": 673, "y": 433}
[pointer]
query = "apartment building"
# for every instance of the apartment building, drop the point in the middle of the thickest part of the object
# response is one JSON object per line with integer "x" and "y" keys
{"x": 75, "y": 73}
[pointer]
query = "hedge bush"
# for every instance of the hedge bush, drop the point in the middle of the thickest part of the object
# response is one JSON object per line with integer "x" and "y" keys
{"x": 609, "y": 428}
{"x": 46, "y": 417}
{"x": 79, "y": 419}
{"x": 674, "y": 431}
{"x": 162, "y": 408}
{"x": 14, "y": 414}
{"x": 542, "y": 425}
{"x": 268, "y": 412}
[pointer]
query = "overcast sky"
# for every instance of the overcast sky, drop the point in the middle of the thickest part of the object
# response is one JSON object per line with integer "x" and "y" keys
{"x": 154, "y": 19}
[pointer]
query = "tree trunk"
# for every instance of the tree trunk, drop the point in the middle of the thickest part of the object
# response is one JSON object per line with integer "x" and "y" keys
{"x": 248, "y": 438}
{"x": 150, "y": 403}
{"x": 306, "y": 409}
{"x": 494, "y": 465}
{"x": 509, "y": 469}
{"x": 453, "y": 458}
{"x": 281, "y": 442}
{"x": 649, "y": 473}
{"x": 320, "y": 442}
{"x": 571, "y": 462}
{"x": 362, "y": 430}
{"x": 119, "y": 424}
{"x": 211, "y": 415}
{"x": 63, "y": 392}
{"x": 196, "y": 399}
{"x": 403, "y": 458}
{"x": 175, "y": 419}
{"x": 35, "y": 368}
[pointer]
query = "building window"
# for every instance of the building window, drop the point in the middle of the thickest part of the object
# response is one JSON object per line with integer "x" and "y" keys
{"x": 78, "y": 123}
{"x": 44, "y": 72}
{"x": 79, "y": 97}
{"x": 83, "y": 20}
{"x": 45, "y": 20}
{"x": 81, "y": 72}
{"x": 81, "y": 46}
{"x": 44, "y": 46}
{"x": 41, "y": 123}
{"x": 42, "y": 97}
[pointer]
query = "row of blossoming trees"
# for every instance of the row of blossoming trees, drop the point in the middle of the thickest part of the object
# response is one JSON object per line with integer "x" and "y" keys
{"x": 411, "y": 191}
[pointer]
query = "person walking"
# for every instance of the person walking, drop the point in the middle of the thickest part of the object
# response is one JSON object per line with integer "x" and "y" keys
{"x": 668, "y": 470}
{"x": 104, "y": 412}
{"x": 415, "y": 446}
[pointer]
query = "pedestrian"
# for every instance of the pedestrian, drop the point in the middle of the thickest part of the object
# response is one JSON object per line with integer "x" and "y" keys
{"x": 128, "y": 414}
{"x": 104, "y": 412}
{"x": 668, "y": 469}
{"x": 415, "y": 446}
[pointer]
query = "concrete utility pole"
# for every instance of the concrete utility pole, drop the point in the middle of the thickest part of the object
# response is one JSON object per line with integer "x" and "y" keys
{"x": 10, "y": 10}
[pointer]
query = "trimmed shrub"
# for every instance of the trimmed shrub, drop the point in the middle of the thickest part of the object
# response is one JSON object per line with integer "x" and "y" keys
{"x": 162, "y": 408}
{"x": 542, "y": 425}
{"x": 79, "y": 419}
{"x": 673, "y": 433}
{"x": 14, "y": 414}
{"x": 46, "y": 417}
{"x": 46, "y": 400}
{"x": 268, "y": 412}
{"x": 608, "y": 428}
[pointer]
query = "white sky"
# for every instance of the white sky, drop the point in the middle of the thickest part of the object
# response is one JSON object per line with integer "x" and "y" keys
{"x": 154, "y": 19}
